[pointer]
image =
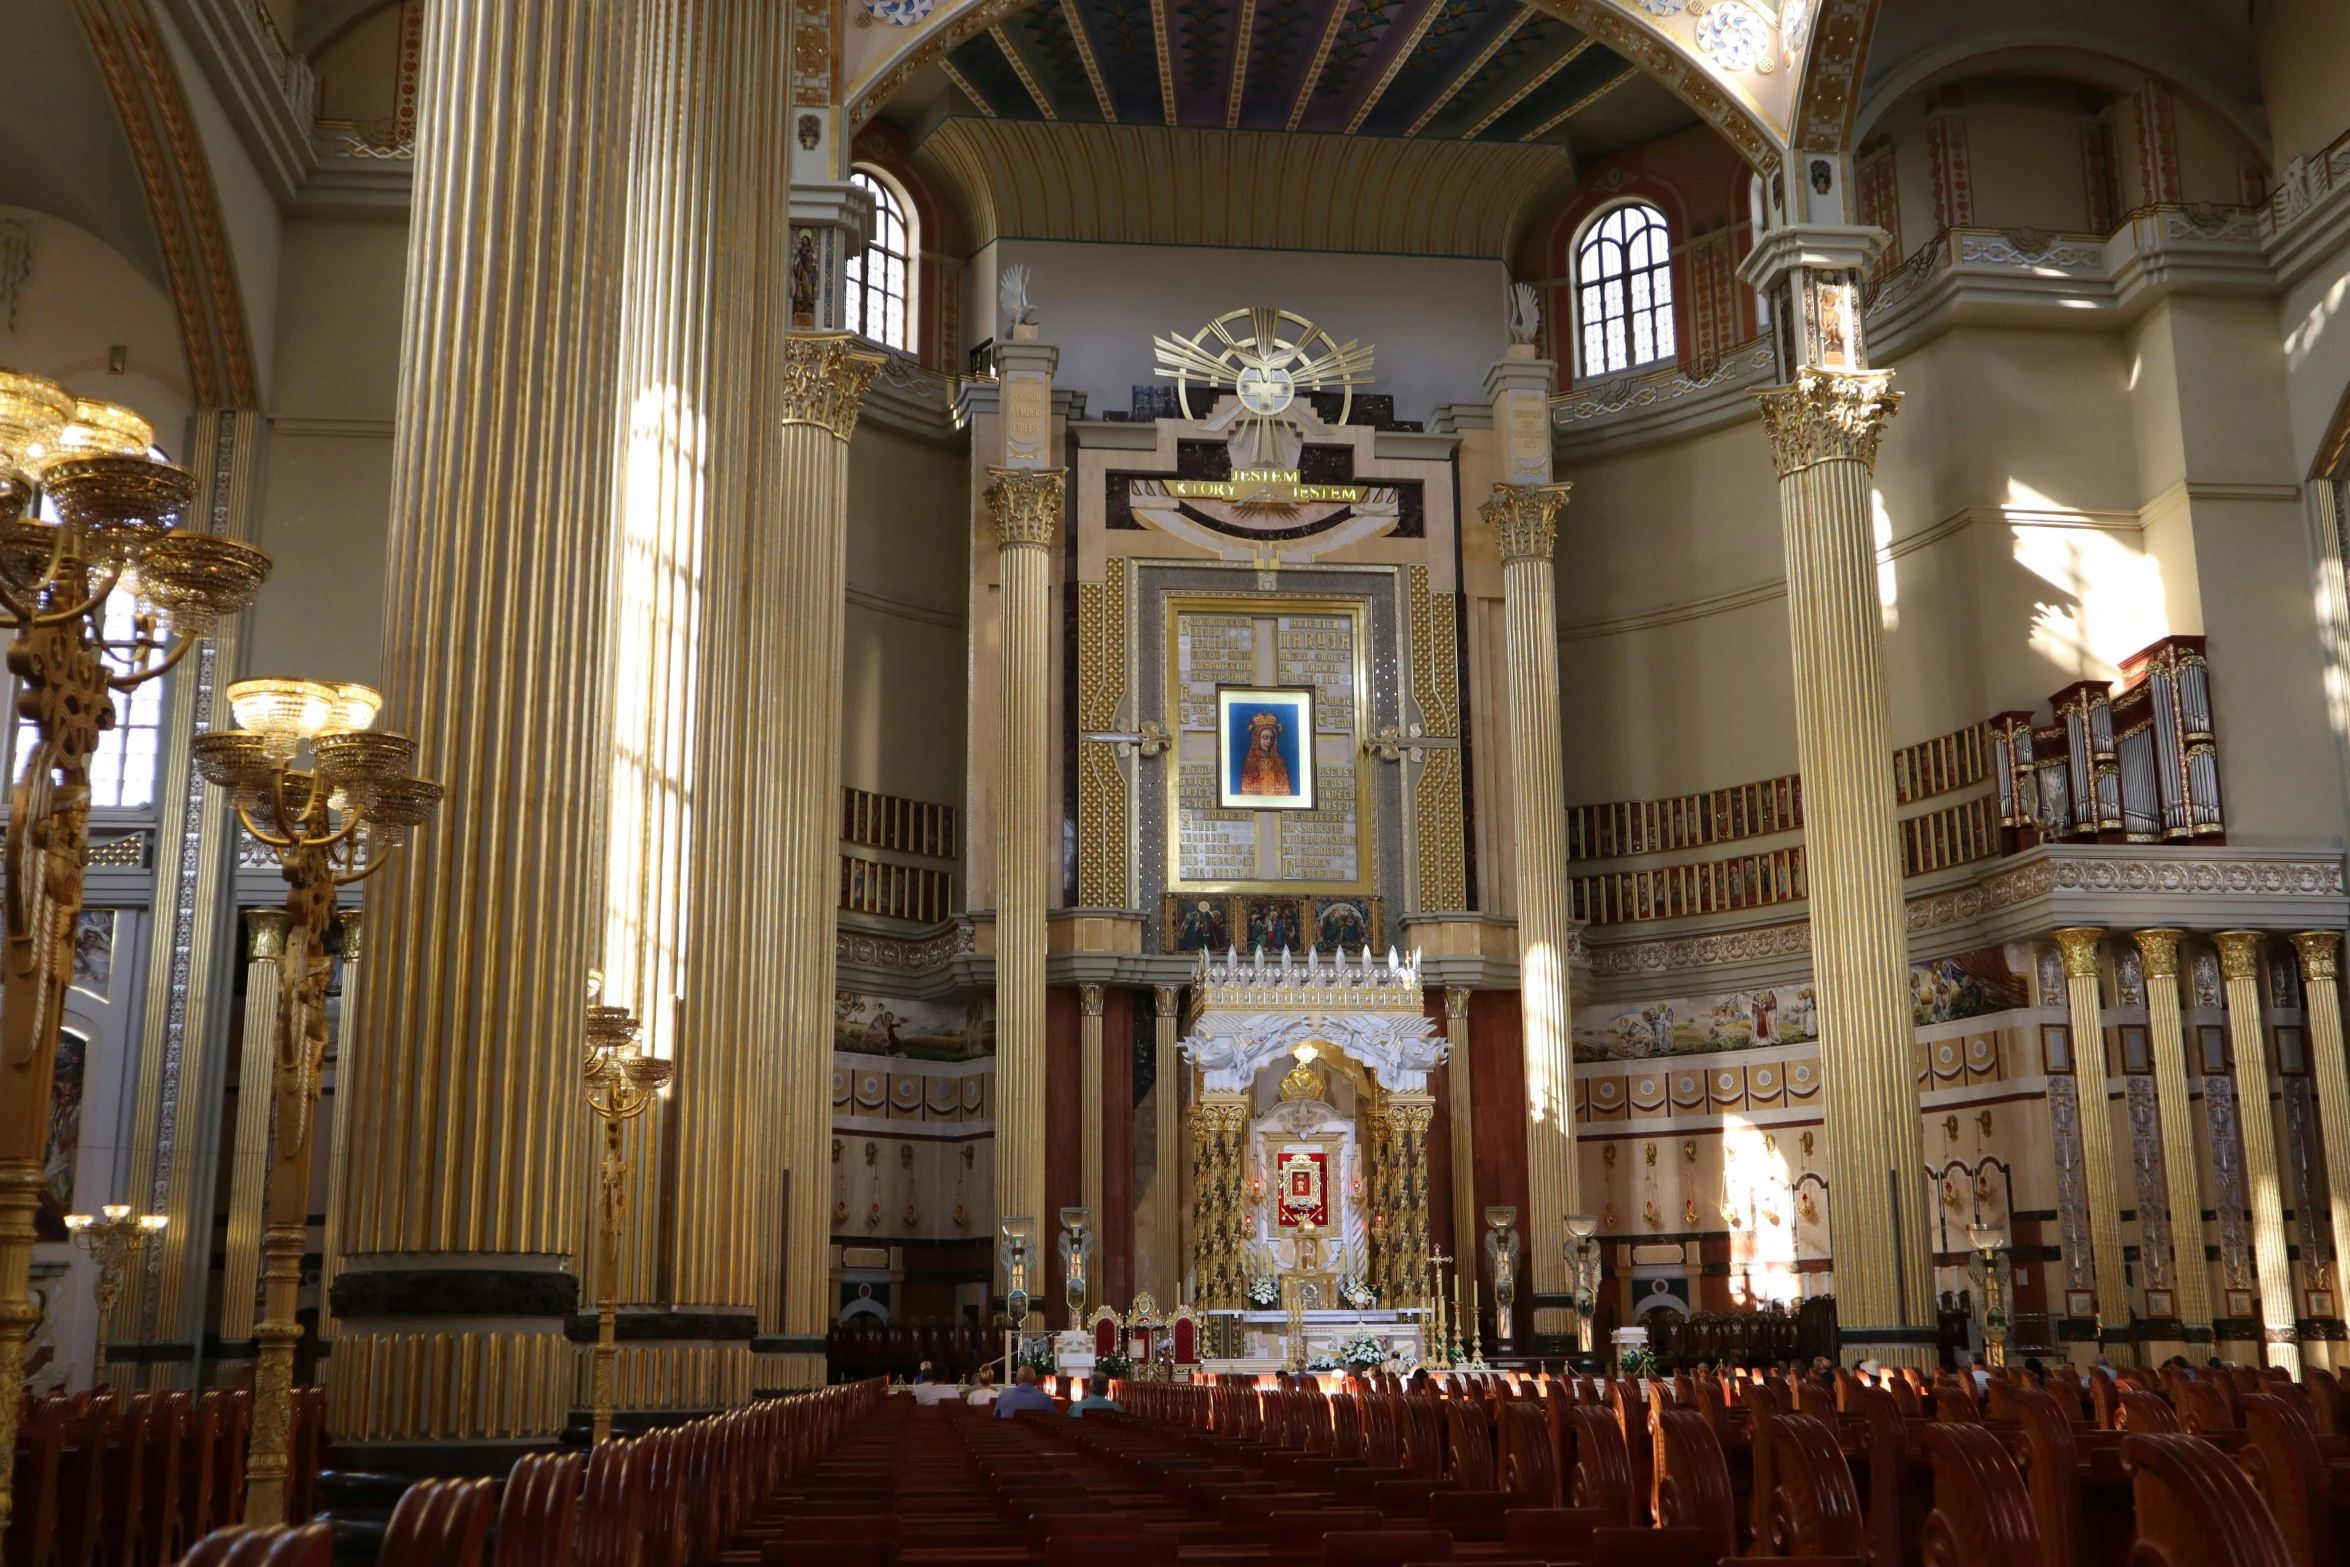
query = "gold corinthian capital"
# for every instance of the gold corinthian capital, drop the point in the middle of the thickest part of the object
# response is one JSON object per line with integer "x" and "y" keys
{"x": 2239, "y": 953}
{"x": 2160, "y": 950}
{"x": 2079, "y": 945}
{"x": 1828, "y": 414}
{"x": 1026, "y": 502}
{"x": 822, "y": 380}
{"x": 2317, "y": 948}
{"x": 1525, "y": 519}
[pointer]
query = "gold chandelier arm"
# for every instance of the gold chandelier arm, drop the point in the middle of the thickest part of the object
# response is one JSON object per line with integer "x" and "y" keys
{"x": 58, "y": 617}
{"x": 348, "y": 878}
{"x": 143, "y": 673}
{"x": 253, "y": 827}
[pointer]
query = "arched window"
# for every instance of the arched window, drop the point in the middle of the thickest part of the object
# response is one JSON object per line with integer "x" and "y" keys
{"x": 1624, "y": 290}
{"x": 881, "y": 281}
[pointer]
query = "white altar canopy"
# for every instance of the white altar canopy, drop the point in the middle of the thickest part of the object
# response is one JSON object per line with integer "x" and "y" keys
{"x": 1248, "y": 1013}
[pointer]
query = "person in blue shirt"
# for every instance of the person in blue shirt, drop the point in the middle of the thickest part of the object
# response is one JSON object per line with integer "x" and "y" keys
{"x": 1097, "y": 1396}
{"x": 1023, "y": 1394}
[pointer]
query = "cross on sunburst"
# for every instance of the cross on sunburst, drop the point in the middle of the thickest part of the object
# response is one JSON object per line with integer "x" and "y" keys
{"x": 1265, "y": 356}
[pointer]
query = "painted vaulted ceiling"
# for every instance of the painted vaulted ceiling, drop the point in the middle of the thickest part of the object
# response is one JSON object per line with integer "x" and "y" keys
{"x": 1483, "y": 70}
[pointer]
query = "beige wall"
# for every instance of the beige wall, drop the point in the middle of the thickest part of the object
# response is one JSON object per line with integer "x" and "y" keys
{"x": 905, "y": 667}
{"x": 2302, "y": 50}
{"x": 326, "y": 495}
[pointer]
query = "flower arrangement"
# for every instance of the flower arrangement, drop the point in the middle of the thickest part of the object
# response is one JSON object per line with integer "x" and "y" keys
{"x": 1038, "y": 1359}
{"x": 1264, "y": 1292}
{"x": 1362, "y": 1350}
{"x": 1638, "y": 1363}
{"x": 1325, "y": 1362}
{"x": 1116, "y": 1367}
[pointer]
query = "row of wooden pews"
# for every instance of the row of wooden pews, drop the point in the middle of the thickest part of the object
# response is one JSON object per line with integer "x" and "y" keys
{"x": 105, "y": 1480}
{"x": 2191, "y": 1467}
{"x": 675, "y": 1497}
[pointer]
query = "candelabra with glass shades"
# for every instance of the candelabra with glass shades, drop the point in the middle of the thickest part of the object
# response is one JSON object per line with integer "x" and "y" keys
{"x": 114, "y": 1237}
{"x": 1988, "y": 1241}
{"x": 1076, "y": 1245}
{"x": 621, "y": 1082}
{"x": 329, "y": 825}
{"x": 1502, "y": 1248}
{"x": 1014, "y": 1252}
{"x": 1583, "y": 1273}
{"x": 117, "y": 509}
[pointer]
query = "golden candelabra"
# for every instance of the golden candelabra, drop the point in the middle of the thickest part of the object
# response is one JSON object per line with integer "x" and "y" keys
{"x": 1014, "y": 1251}
{"x": 1583, "y": 1269}
{"x": 1439, "y": 1347}
{"x": 1076, "y": 1244}
{"x": 115, "y": 508}
{"x": 1501, "y": 1259}
{"x": 1473, "y": 1307}
{"x": 1988, "y": 1240}
{"x": 114, "y": 1237}
{"x": 621, "y": 1082}
{"x": 329, "y": 825}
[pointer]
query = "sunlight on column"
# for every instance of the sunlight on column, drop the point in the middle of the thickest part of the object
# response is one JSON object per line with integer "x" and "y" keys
{"x": 655, "y": 636}
{"x": 2303, "y": 338}
{"x": 1546, "y": 1087}
{"x": 2119, "y": 603}
{"x": 2333, "y": 609}
{"x": 1888, "y": 581}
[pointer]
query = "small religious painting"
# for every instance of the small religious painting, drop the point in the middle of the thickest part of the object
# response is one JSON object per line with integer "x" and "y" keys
{"x": 1304, "y": 1189}
{"x": 1275, "y": 925}
{"x": 1198, "y": 925}
{"x": 1342, "y": 923}
{"x": 1264, "y": 749}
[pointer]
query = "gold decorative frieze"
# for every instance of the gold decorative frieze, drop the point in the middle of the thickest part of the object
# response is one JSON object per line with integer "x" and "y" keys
{"x": 1828, "y": 415}
{"x": 1524, "y": 519}
{"x": 1102, "y": 803}
{"x": 822, "y": 378}
{"x": 1026, "y": 503}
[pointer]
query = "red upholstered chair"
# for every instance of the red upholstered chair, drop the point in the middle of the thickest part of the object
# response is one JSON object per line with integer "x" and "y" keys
{"x": 1186, "y": 1341}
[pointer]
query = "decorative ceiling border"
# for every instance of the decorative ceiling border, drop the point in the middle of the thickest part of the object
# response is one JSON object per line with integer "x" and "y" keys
{"x": 1828, "y": 103}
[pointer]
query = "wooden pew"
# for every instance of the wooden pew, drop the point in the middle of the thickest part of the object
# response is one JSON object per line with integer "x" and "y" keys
{"x": 2195, "y": 1508}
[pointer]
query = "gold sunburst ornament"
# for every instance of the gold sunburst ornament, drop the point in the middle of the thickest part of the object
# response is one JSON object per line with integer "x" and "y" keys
{"x": 1265, "y": 357}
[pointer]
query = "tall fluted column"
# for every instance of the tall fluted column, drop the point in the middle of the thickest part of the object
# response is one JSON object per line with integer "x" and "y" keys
{"x": 1824, "y": 431}
{"x": 240, "y": 1274}
{"x": 2181, "y": 1179}
{"x": 790, "y": 670}
{"x": 2322, "y": 993}
{"x": 1462, "y": 1124}
{"x": 1089, "y": 1148}
{"x": 1027, "y": 504}
{"x": 352, "y": 945}
{"x": 1525, "y": 523}
{"x": 683, "y": 948}
{"x": 468, "y": 1154}
{"x": 2256, "y": 1127}
{"x": 2086, "y": 1007}
{"x": 1167, "y": 1123}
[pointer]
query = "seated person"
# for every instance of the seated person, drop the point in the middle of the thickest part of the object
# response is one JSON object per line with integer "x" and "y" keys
{"x": 985, "y": 1393}
{"x": 1023, "y": 1394}
{"x": 1097, "y": 1396}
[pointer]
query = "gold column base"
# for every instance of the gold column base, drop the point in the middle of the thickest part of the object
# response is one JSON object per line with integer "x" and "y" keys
{"x": 671, "y": 1376}
{"x": 270, "y": 1456}
{"x": 791, "y": 1372}
{"x": 448, "y": 1387}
